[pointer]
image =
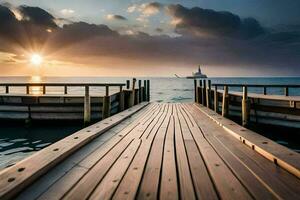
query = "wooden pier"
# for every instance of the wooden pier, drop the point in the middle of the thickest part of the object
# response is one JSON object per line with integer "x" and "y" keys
{"x": 158, "y": 151}
{"x": 40, "y": 105}
{"x": 264, "y": 108}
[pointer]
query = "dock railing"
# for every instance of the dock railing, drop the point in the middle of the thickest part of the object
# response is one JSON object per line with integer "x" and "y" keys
{"x": 126, "y": 97}
{"x": 208, "y": 95}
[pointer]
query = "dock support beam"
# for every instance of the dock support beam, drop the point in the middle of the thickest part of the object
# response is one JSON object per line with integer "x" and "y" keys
{"x": 265, "y": 90}
{"x": 225, "y": 103}
{"x": 7, "y": 89}
{"x": 200, "y": 92}
{"x": 148, "y": 90}
{"x": 286, "y": 91}
{"x": 87, "y": 106}
{"x": 140, "y": 91}
{"x": 127, "y": 84}
{"x": 245, "y": 107}
{"x": 132, "y": 93}
{"x": 106, "y": 104}
{"x": 216, "y": 100}
{"x": 204, "y": 93}
{"x": 144, "y": 91}
{"x": 27, "y": 89}
{"x": 208, "y": 94}
{"x": 195, "y": 91}
{"x": 65, "y": 89}
{"x": 122, "y": 100}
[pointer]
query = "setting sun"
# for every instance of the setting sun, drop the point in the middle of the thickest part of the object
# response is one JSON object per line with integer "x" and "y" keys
{"x": 36, "y": 59}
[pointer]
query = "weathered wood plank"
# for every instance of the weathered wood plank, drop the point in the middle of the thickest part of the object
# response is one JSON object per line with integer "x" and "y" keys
{"x": 168, "y": 182}
{"x": 247, "y": 177}
{"x": 278, "y": 154}
{"x": 203, "y": 184}
{"x": 17, "y": 177}
{"x": 227, "y": 184}
{"x": 149, "y": 185}
{"x": 113, "y": 177}
{"x": 185, "y": 180}
{"x": 135, "y": 171}
{"x": 58, "y": 190}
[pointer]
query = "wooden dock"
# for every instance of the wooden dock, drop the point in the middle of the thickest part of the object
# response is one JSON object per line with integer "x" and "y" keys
{"x": 262, "y": 107}
{"x": 158, "y": 151}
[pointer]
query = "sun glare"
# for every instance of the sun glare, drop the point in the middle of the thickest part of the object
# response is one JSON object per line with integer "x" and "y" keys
{"x": 36, "y": 59}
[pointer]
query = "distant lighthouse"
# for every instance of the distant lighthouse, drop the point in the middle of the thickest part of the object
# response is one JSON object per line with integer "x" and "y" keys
{"x": 197, "y": 74}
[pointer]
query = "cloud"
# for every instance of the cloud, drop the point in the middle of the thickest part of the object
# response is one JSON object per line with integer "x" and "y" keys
{"x": 132, "y": 8}
{"x": 205, "y": 22}
{"x": 116, "y": 17}
{"x": 152, "y": 8}
{"x": 37, "y": 16}
{"x": 67, "y": 11}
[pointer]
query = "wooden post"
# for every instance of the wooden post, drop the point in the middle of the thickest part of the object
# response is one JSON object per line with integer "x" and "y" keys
{"x": 204, "y": 93}
{"x": 140, "y": 92}
{"x": 128, "y": 84}
{"x": 216, "y": 99}
{"x": 87, "y": 106}
{"x": 6, "y": 89}
{"x": 200, "y": 92}
{"x": 65, "y": 89}
{"x": 208, "y": 94}
{"x": 44, "y": 89}
{"x": 286, "y": 91}
{"x": 106, "y": 104}
{"x": 195, "y": 91}
{"x": 132, "y": 93}
{"x": 148, "y": 90}
{"x": 265, "y": 90}
{"x": 27, "y": 89}
{"x": 122, "y": 100}
{"x": 245, "y": 107}
{"x": 144, "y": 91}
{"x": 225, "y": 103}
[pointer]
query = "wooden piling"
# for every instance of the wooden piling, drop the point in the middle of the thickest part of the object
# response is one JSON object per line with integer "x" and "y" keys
{"x": 106, "y": 104}
{"x": 195, "y": 91}
{"x": 122, "y": 100}
{"x": 132, "y": 94}
{"x": 204, "y": 93}
{"x": 144, "y": 91}
{"x": 44, "y": 89}
{"x": 265, "y": 90}
{"x": 200, "y": 92}
{"x": 208, "y": 94}
{"x": 245, "y": 107}
{"x": 216, "y": 100}
{"x": 7, "y": 89}
{"x": 87, "y": 106}
{"x": 286, "y": 91}
{"x": 140, "y": 92}
{"x": 225, "y": 102}
{"x": 148, "y": 90}
{"x": 27, "y": 89}
{"x": 65, "y": 89}
{"x": 127, "y": 84}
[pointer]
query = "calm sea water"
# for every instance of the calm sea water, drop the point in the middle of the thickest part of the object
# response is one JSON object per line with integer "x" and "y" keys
{"x": 17, "y": 142}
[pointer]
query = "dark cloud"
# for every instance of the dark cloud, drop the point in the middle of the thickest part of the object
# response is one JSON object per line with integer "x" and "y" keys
{"x": 198, "y": 21}
{"x": 117, "y": 17}
{"x": 37, "y": 16}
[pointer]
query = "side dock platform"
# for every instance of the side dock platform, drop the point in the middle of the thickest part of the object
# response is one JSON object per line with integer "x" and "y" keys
{"x": 158, "y": 151}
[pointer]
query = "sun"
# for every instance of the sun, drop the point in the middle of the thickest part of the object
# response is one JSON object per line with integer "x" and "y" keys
{"x": 36, "y": 59}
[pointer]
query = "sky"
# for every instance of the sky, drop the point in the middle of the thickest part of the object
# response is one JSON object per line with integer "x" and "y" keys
{"x": 150, "y": 38}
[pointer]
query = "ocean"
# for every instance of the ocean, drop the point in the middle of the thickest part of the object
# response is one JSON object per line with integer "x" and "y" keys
{"x": 18, "y": 141}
